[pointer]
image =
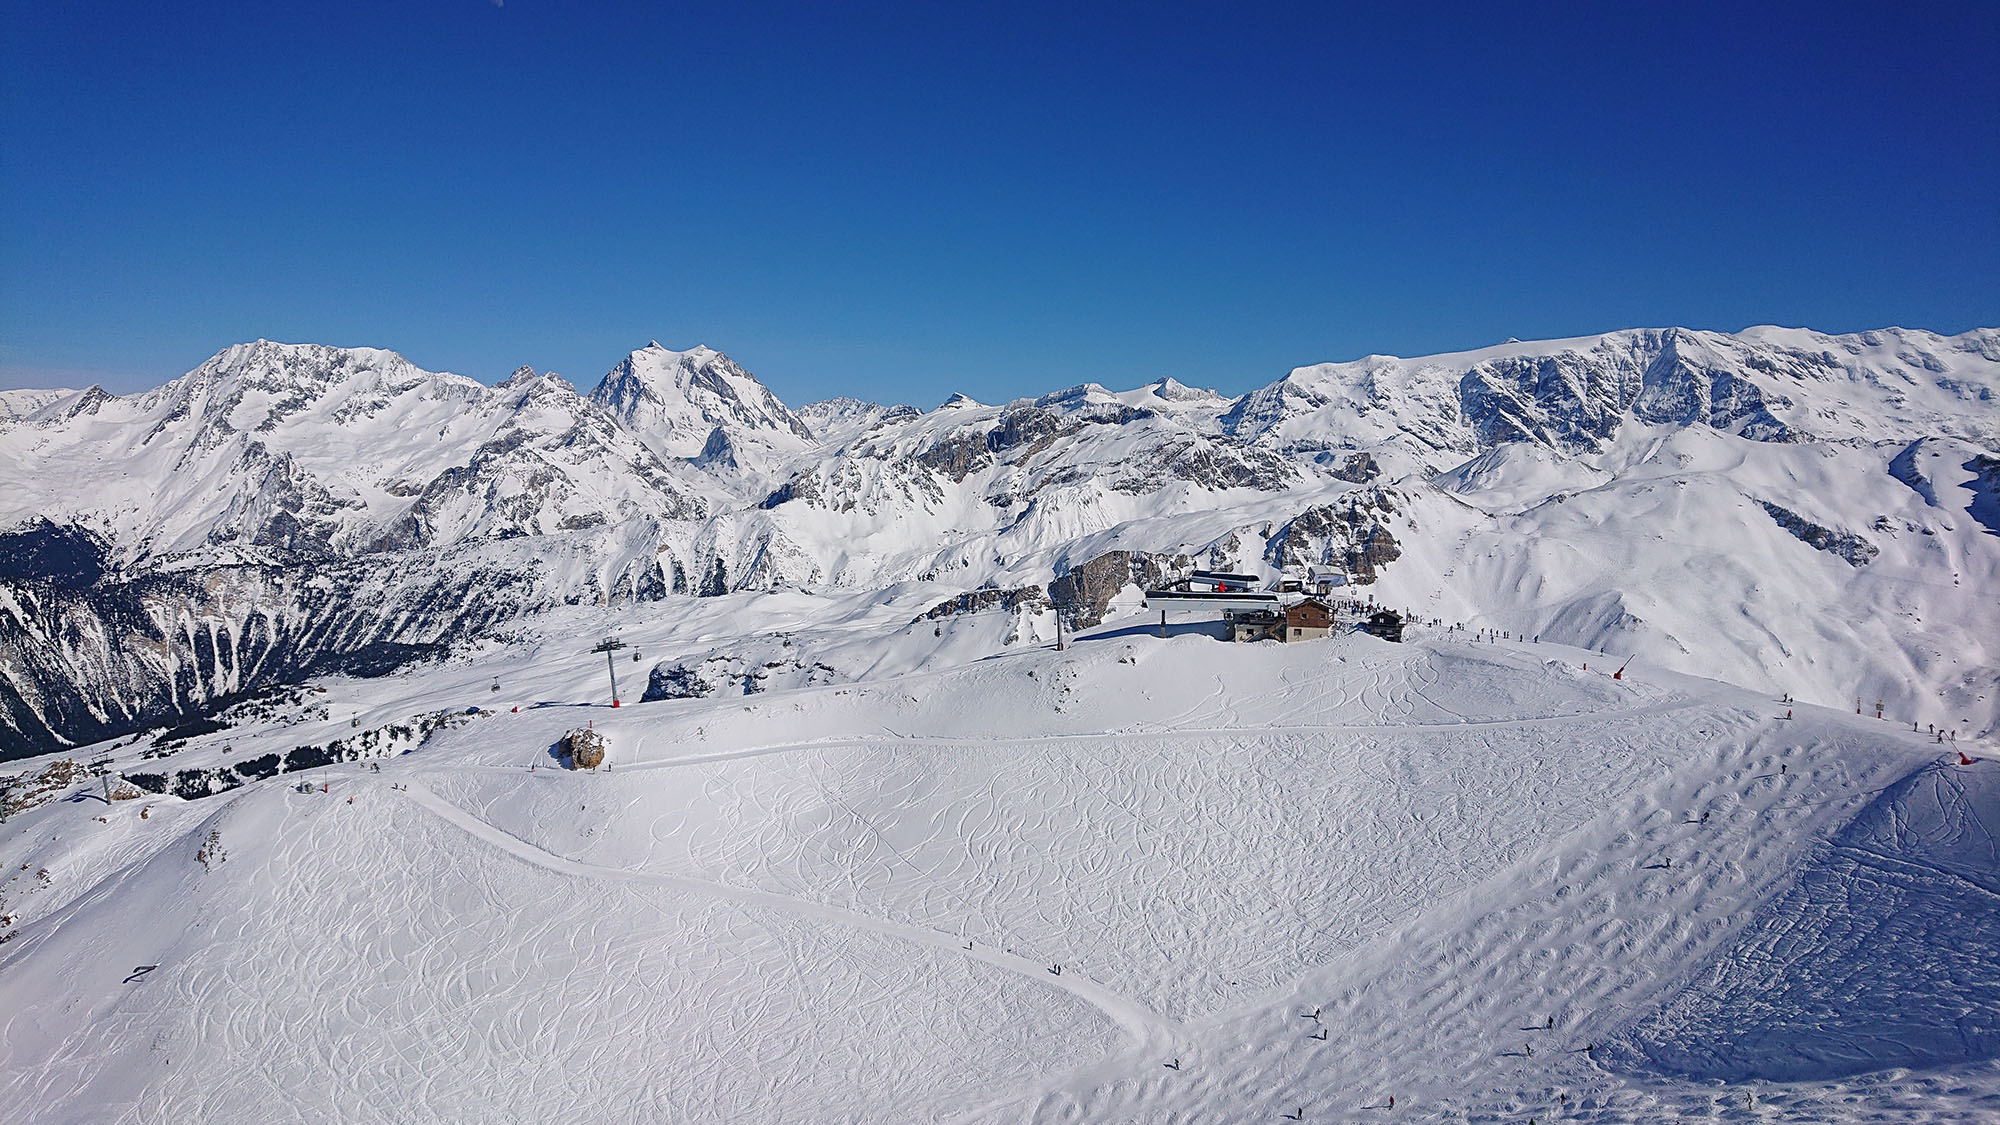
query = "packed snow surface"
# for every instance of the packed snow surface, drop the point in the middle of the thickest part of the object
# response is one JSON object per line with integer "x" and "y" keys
{"x": 1143, "y": 879}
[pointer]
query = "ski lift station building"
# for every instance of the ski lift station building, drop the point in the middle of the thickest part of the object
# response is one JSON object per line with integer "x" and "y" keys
{"x": 1248, "y": 613}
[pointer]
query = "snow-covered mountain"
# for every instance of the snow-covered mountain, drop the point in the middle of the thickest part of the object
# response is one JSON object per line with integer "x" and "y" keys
{"x": 274, "y": 451}
{"x": 1767, "y": 384}
{"x": 834, "y": 420}
{"x": 865, "y": 847}
{"x": 1785, "y": 508}
{"x": 25, "y": 401}
{"x": 700, "y": 405}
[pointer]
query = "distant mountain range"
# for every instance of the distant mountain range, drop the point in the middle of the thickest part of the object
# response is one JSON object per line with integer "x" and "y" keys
{"x": 1774, "y": 506}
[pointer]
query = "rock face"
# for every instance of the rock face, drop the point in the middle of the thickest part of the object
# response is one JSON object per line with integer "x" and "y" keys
{"x": 1985, "y": 489}
{"x": 1084, "y": 592}
{"x": 956, "y": 457}
{"x": 56, "y": 555}
{"x": 157, "y": 649}
{"x": 582, "y": 748}
{"x": 1352, "y": 533}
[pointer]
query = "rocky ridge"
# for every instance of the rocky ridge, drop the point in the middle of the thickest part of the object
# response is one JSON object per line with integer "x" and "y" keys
{"x": 294, "y": 510}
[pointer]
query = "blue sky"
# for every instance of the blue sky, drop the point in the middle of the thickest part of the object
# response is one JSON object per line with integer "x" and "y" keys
{"x": 896, "y": 202}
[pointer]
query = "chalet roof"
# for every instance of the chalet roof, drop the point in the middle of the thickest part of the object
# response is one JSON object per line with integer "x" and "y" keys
{"x": 1311, "y": 609}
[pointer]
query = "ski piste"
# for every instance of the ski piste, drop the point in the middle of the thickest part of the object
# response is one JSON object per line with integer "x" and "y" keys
{"x": 1136, "y": 879}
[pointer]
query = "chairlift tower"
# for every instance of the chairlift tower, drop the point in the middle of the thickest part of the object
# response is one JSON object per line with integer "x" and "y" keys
{"x": 607, "y": 646}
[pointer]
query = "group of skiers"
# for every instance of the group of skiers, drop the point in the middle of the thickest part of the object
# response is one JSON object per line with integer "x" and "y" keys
{"x": 1490, "y": 636}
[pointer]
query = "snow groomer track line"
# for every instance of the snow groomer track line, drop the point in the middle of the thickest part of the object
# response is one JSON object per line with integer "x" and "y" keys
{"x": 892, "y": 741}
{"x": 1145, "y": 1027}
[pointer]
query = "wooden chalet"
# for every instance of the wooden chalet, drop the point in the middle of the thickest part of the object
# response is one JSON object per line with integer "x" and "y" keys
{"x": 1308, "y": 620}
{"x": 1384, "y": 623}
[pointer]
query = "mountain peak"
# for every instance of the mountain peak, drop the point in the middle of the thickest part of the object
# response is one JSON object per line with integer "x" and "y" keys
{"x": 675, "y": 400}
{"x": 699, "y": 353}
{"x": 1173, "y": 390}
{"x": 261, "y": 384}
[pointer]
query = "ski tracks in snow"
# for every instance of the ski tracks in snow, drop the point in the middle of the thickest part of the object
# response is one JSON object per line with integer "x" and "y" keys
{"x": 1379, "y": 689}
{"x": 1584, "y": 930}
{"x": 1146, "y": 1027}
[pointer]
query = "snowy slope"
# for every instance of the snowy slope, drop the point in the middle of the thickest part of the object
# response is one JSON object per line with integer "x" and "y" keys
{"x": 17, "y": 404}
{"x": 849, "y": 901}
{"x": 1791, "y": 510}
{"x": 1805, "y": 568}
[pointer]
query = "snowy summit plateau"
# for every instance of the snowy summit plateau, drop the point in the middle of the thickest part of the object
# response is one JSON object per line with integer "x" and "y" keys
{"x": 1634, "y": 764}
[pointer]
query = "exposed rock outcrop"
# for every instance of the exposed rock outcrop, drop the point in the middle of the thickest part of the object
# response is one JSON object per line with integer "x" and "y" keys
{"x": 1351, "y": 533}
{"x": 375, "y": 742}
{"x": 1985, "y": 488}
{"x": 1846, "y": 546}
{"x": 24, "y": 791}
{"x": 735, "y": 675}
{"x": 582, "y": 749}
{"x": 1083, "y": 593}
{"x": 973, "y": 601}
